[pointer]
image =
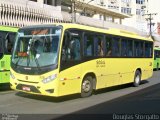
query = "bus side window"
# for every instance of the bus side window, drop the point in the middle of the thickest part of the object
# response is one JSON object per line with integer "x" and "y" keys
{"x": 108, "y": 46}
{"x": 130, "y": 48}
{"x": 124, "y": 48}
{"x": 116, "y": 47}
{"x": 9, "y": 42}
{"x": 148, "y": 49}
{"x": 71, "y": 48}
{"x": 1, "y": 49}
{"x": 138, "y": 49}
{"x": 99, "y": 45}
{"x": 89, "y": 48}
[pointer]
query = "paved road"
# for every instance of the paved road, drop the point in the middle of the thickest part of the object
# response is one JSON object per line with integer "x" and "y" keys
{"x": 144, "y": 99}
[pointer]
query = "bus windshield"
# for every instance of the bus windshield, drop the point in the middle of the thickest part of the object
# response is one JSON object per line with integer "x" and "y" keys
{"x": 36, "y": 47}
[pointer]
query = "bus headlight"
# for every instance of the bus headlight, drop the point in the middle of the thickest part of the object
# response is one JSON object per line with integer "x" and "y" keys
{"x": 11, "y": 75}
{"x": 50, "y": 78}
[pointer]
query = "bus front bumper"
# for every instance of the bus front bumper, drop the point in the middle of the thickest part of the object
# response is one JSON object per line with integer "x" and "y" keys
{"x": 47, "y": 90}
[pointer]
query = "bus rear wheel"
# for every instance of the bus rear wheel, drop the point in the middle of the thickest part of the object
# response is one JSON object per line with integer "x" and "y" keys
{"x": 137, "y": 78}
{"x": 87, "y": 86}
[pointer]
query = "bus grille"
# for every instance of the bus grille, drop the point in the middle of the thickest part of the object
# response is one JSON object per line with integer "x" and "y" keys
{"x": 27, "y": 81}
{"x": 32, "y": 88}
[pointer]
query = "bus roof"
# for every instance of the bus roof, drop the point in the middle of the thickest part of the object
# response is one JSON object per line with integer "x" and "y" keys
{"x": 112, "y": 31}
{"x": 7, "y": 28}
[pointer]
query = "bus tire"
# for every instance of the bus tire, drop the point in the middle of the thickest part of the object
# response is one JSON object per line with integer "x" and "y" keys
{"x": 87, "y": 86}
{"x": 137, "y": 78}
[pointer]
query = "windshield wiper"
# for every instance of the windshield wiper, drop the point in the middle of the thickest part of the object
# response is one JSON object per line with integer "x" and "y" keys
{"x": 17, "y": 61}
{"x": 32, "y": 49}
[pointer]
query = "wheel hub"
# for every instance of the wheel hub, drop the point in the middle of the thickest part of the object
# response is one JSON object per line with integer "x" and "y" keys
{"x": 86, "y": 86}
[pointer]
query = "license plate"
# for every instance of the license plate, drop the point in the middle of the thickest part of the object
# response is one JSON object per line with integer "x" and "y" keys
{"x": 26, "y": 88}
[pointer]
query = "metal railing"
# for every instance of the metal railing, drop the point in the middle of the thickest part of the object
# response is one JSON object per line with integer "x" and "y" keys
{"x": 19, "y": 15}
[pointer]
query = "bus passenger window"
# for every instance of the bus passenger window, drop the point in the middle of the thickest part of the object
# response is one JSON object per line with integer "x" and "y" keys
{"x": 130, "y": 48}
{"x": 138, "y": 49}
{"x": 108, "y": 46}
{"x": 99, "y": 46}
{"x": 9, "y": 42}
{"x": 89, "y": 45}
{"x": 124, "y": 48}
{"x": 116, "y": 47}
{"x": 71, "y": 47}
{"x": 1, "y": 49}
{"x": 148, "y": 49}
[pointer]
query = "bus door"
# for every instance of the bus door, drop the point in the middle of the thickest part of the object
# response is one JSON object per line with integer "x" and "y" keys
{"x": 7, "y": 41}
{"x": 70, "y": 68}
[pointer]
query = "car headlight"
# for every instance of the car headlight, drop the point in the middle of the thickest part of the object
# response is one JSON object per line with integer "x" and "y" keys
{"x": 50, "y": 78}
{"x": 12, "y": 76}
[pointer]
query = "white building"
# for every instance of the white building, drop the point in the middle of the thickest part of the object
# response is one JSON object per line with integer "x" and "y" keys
{"x": 133, "y": 8}
{"x": 104, "y": 12}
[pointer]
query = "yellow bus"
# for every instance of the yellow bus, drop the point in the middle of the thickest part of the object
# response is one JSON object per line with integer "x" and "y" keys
{"x": 62, "y": 59}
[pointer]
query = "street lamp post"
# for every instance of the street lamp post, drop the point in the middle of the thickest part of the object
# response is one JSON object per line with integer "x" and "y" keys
{"x": 73, "y": 9}
{"x": 150, "y": 21}
{"x": 85, "y": 7}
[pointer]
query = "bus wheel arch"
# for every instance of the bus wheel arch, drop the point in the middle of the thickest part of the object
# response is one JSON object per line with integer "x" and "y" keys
{"x": 88, "y": 84}
{"x": 137, "y": 77}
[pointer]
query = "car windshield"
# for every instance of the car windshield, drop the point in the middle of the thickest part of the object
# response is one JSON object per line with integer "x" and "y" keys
{"x": 36, "y": 47}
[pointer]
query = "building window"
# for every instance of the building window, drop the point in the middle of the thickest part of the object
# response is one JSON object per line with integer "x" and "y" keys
{"x": 126, "y": 10}
{"x": 100, "y": 17}
{"x": 48, "y": 2}
{"x": 33, "y": 0}
{"x": 138, "y": 11}
{"x": 140, "y": 1}
{"x": 126, "y": 1}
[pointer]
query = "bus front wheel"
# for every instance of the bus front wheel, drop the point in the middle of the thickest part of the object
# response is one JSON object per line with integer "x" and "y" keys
{"x": 137, "y": 78}
{"x": 87, "y": 86}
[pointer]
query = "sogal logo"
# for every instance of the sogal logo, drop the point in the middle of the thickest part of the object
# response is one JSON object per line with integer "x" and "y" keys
{"x": 100, "y": 63}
